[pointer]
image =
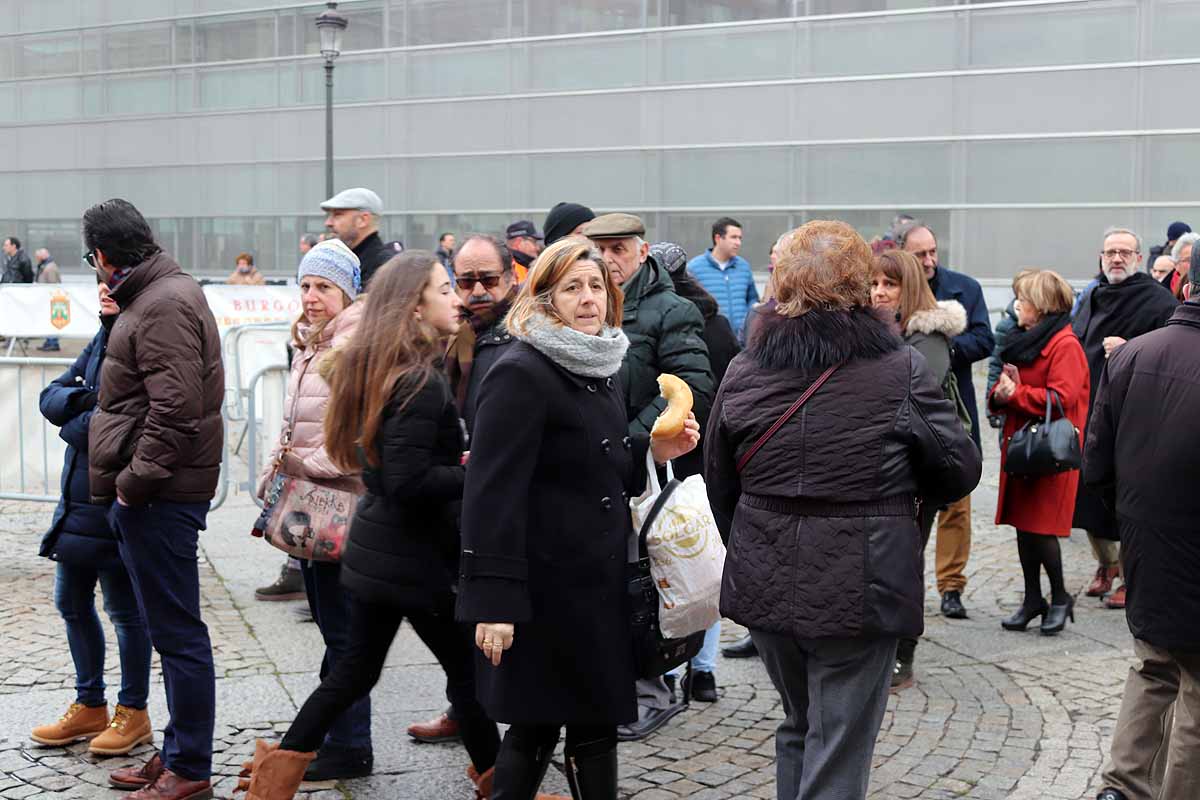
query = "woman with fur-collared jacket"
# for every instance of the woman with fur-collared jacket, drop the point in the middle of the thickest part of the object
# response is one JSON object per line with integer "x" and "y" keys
{"x": 824, "y": 559}
{"x": 928, "y": 325}
{"x": 329, "y": 279}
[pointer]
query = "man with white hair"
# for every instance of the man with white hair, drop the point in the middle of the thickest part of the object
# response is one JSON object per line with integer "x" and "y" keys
{"x": 1181, "y": 254}
{"x": 352, "y": 215}
{"x": 1125, "y": 303}
{"x": 1162, "y": 268}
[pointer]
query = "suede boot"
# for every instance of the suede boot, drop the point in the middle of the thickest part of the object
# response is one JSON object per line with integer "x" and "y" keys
{"x": 80, "y": 722}
{"x": 129, "y": 728}
{"x": 277, "y": 775}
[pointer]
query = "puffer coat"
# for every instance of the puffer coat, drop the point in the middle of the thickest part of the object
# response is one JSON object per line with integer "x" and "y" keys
{"x": 157, "y": 430}
{"x": 822, "y": 522}
{"x": 307, "y": 398}
{"x": 79, "y": 533}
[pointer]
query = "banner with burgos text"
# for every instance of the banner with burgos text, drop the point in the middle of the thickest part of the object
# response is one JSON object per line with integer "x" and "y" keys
{"x": 72, "y": 310}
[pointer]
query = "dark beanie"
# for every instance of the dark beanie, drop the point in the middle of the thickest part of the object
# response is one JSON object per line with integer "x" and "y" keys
{"x": 1177, "y": 229}
{"x": 564, "y": 218}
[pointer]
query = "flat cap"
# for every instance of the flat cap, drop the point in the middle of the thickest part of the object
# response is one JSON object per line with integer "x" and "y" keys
{"x": 614, "y": 226}
{"x": 358, "y": 198}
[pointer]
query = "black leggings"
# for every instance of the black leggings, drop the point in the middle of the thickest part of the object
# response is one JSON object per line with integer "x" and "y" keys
{"x": 582, "y": 740}
{"x": 1036, "y": 551}
{"x": 372, "y": 629}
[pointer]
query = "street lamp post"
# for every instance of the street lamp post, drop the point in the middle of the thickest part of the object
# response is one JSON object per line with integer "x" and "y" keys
{"x": 330, "y": 25}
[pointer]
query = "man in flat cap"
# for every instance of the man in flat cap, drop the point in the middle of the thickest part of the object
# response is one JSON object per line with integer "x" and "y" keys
{"x": 665, "y": 335}
{"x": 352, "y": 215}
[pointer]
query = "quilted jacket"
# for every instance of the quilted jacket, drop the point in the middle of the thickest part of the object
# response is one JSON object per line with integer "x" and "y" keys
{"x": 822, "y": 522}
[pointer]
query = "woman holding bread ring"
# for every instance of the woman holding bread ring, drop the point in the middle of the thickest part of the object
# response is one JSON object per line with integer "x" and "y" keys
{"x": 546, "y": 525}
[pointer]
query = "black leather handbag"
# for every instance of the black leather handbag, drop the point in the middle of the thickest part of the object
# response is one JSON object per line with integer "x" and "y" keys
{"x": 1044, "y": 447}
{"x": 653, "y": 654}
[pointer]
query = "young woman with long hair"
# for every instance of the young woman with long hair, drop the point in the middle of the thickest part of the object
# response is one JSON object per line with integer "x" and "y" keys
{"x": 390, "y": 410}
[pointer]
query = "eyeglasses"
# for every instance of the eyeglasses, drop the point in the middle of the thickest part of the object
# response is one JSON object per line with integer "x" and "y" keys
{"x": 468, "y": 281}
{"x": 90, "y": 258}
{"x": 1124, "y": 254}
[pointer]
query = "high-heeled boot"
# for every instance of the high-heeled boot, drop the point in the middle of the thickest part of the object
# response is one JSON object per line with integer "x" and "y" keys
{"x": 519, "y": 773}
{"x": 1025, "y": 614}
{"x": 593, "y": 776}
{"x": 1056, "y": 619}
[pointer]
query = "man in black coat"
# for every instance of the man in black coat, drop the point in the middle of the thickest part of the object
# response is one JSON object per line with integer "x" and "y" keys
{"x": 1125, "y": 303}
{"x": 17, "y": 268}
{"x": 352, "y": 215}
{"x": 976, "y": 343}
{"x": 1128, "y": 451}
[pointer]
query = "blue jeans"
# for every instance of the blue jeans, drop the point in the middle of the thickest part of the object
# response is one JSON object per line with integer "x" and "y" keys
{"x": 75, "y": 598}
{"x": 158, "y": 545}
{"x": 706, "y": 659}
{"x": 330, "y": 605}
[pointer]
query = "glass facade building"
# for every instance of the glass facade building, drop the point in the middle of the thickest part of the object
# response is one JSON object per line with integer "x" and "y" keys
{"x": 1019, "y": 130}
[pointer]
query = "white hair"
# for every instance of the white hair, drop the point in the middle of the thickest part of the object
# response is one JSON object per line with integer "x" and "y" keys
{"x": 1115, "y": 230}
{"x": 1182, "y": 242}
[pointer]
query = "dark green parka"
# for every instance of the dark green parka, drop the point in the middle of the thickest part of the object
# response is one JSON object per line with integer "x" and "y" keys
{"x": 664, "y": 333}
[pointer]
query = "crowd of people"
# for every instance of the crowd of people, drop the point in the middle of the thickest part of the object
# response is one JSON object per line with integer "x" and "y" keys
{"x": 488, "y": 408}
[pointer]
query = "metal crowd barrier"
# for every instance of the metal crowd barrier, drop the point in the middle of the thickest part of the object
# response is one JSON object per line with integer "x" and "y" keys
{"x": 31, "y": 463}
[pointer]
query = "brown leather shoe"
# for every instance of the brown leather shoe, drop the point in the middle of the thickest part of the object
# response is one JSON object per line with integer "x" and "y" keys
{"x": 170, "y": 786}
{"x": 1117, "y": 598}
{"x": 1102, "y": 583}
{"x": 439, "y": 729}
{"x": 129, "y": 728}
{"x": 80, "y": 722}
{"x": 137, "y": 777}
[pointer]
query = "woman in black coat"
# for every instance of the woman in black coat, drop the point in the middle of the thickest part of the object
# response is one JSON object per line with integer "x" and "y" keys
{"x": 824, "y": 564}
{"x": 390, "y": 409}
{"x": 83, "y": 545}
{"x": 546, "y": 527}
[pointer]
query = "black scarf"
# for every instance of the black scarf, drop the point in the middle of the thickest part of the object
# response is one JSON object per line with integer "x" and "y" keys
{"x": 1024, "y": 346}
{"x": 524, "y": 259}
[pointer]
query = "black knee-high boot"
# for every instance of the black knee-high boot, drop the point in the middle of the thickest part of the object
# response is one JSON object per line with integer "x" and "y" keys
{"x": 592, "y": 771}
{"x": 522, "y": 762}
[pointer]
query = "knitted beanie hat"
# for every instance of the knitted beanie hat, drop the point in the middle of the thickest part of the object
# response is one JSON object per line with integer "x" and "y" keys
{"x": 334, "y": 261}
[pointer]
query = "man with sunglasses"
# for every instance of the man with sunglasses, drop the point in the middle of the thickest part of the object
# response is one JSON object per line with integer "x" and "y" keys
{"x": 974, "y": 344}
{"x": 1126, "y": 302}
{"x": 155, "y": 444}
{"x": 484, "y": 280}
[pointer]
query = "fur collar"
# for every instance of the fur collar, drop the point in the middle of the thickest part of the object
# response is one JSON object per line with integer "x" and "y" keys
{"x": 820, "y": 339}
{"x": 948, "y": 319}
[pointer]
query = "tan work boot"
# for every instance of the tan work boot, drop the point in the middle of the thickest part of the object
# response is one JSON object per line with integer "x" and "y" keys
{"x": 129, "y": 728}
{"x": 80, "y": 722}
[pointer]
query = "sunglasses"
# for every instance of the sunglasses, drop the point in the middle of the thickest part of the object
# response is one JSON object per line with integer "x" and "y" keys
{"x": 90, "y": 258}
{"x": 468, "y": 281}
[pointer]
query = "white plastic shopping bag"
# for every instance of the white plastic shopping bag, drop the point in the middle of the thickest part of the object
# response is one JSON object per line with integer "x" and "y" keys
{"x": 686, "y": 553}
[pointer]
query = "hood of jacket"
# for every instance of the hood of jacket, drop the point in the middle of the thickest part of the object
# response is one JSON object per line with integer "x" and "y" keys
{"x": 948, "y": 319}
{"x": 819, "y": 339}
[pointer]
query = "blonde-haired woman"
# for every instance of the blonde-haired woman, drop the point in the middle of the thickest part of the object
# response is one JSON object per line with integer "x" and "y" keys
{"x": 1043, "y": 359}
{"x": 546, "y": 527}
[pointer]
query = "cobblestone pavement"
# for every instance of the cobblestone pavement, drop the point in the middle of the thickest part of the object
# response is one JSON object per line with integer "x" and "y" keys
{"x": 993, "y": 714}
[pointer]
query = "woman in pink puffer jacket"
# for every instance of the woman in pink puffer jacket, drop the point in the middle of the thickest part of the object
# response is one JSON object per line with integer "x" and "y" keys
{"x": 329, "y": 278}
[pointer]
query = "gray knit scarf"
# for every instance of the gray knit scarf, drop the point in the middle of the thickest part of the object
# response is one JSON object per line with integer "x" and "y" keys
{"x": 596, "y": 356}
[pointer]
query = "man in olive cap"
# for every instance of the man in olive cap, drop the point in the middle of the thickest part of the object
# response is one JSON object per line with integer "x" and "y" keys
{"x": 665, "y": 335}
{"x": 352, "y": 215}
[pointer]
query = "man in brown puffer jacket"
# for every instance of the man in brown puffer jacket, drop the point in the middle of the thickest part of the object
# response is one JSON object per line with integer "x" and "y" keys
{"x": 155, "y": 444}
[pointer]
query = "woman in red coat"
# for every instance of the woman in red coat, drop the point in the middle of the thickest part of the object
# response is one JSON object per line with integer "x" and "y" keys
{"x": 1041, "y": 355}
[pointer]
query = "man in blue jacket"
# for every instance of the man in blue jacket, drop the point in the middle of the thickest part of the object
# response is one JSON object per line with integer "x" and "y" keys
{"x": 726, "y": 275}
{"x": 973, "y": 344}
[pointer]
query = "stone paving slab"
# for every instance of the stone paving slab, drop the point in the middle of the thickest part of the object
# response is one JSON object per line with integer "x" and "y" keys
{"x": 993, "y": 714}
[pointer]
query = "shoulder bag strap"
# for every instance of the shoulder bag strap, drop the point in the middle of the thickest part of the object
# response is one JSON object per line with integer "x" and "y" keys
{"x": 779, "y": 423}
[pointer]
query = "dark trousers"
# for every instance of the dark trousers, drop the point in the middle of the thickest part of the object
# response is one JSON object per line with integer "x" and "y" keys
{"x": 372, "y": 629}
{"x": 75, "y": 598}
{"x": 158, "y": 545}
{"x": 925, "y": 517}
{"x": 330, "y": 605}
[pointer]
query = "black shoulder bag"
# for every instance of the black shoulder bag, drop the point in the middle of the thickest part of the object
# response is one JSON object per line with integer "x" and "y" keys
{"x": 1044, "y": 447}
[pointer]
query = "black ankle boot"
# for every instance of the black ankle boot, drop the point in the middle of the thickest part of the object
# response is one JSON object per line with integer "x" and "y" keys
{"x": 1056, "y": 619}
{"x": 1025, "y": 615}
{"x": 593, "y": 776}
{"x": 519, "y": 773}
